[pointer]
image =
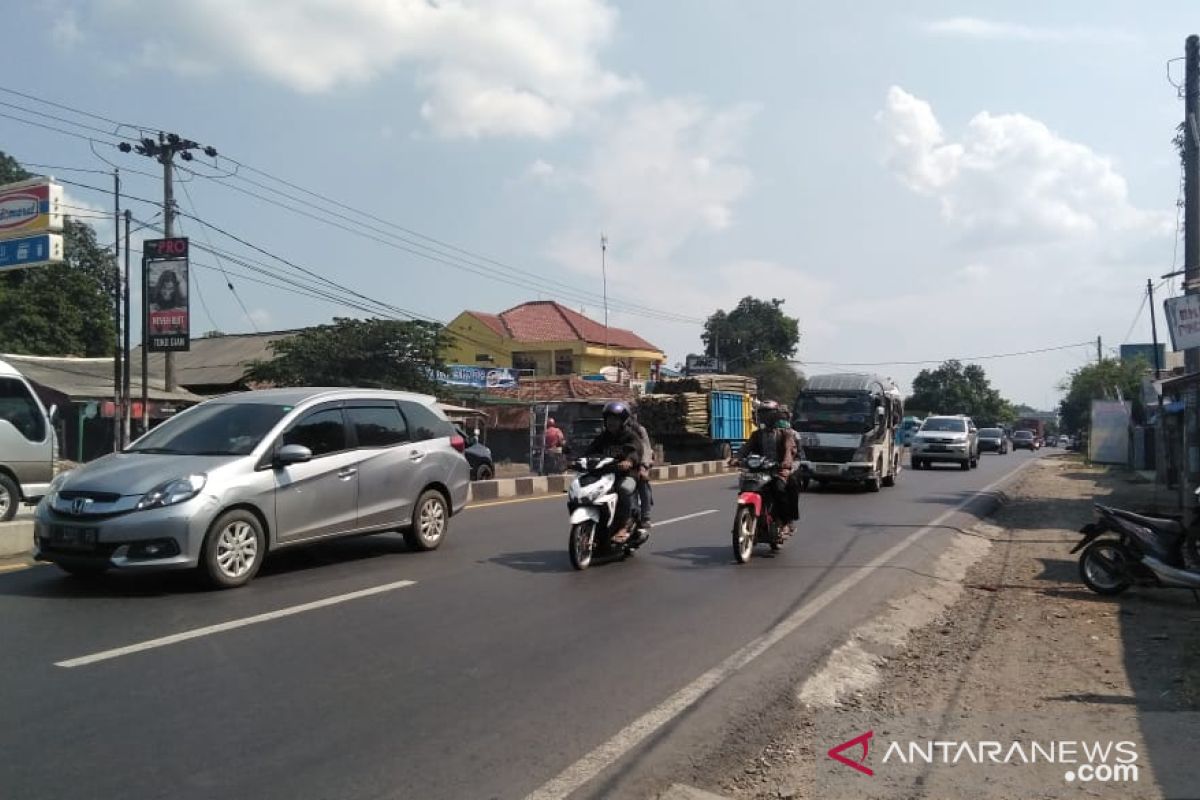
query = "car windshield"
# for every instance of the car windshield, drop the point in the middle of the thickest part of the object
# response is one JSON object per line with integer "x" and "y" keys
{"x": 1022, "y": 435}
{"x": 833, "y": 413}
{"x": 991, "y": 433}
{"x": 945, "y": 425}
{"x": 213, "y": 429}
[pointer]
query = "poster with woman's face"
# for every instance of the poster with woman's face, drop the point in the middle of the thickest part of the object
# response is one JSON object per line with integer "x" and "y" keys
{"x": 167, "y": 303}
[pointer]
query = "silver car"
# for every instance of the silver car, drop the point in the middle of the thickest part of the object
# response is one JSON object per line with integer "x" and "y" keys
{"x": 222, "y": 484}
{"x": 946, "y": 439}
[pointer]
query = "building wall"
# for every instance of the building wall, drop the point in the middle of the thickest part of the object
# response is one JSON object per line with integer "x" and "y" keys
{"x": 472, "y": 338}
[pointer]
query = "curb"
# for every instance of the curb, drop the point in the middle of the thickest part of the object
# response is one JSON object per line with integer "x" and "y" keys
{"x": 556, "y": 484}
{"x": 16, "y": 538}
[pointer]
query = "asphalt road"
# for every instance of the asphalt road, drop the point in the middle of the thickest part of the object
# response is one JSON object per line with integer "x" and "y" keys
{"x": 488, "y": 668}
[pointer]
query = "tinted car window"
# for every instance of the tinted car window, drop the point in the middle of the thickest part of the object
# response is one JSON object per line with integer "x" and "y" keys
{"x": 947, "y": 425}
{"x": 1022, "y": 435}
{"x": 990, "y": 433}
{"x": 322, "y": 432}
{"x": 378, "y": 426}
{"x": 18, "y": 407}
{"x": 423, "y": 424}
{"x": 214, "y": 429}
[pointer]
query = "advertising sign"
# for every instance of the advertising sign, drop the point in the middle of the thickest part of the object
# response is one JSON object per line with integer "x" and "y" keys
{"x": 165, "y": 264}
{"x": 478, "y": 377}
{"x": 30, "y": 207}
{"x": 1183, "y": 320}
{"x": 31, "y": 251}
{"x": 1129, "y": 352}
{"x": 1108, "y": 442}
{"x": 703, "y": 365}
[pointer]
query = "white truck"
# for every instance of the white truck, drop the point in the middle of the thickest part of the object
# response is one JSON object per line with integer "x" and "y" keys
{"x": 849, "y": 423}
{"x": 27, "y": 443}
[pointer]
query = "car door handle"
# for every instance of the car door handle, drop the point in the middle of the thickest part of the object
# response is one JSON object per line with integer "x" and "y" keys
{"x": 416, "y": 455}
{"x": 348, "y": 473}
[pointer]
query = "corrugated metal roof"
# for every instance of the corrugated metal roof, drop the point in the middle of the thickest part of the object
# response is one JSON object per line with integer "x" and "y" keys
{"x": 89, "y": 378}
{"x": 218, "y": 360}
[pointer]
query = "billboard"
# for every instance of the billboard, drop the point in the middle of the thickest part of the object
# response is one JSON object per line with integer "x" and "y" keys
{"x": 703, "y": 365}
{"x": 1129, "y": 352}
{"x": 31, "y": 251}
{"x": 165, "y": 267}
{"x": 478, "y": 377}
{"x": 30, "y": 207}
{"x": 1183, "y": 321}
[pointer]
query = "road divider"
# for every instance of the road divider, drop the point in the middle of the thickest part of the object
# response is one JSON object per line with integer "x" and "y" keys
{"x": 556, "y": 484}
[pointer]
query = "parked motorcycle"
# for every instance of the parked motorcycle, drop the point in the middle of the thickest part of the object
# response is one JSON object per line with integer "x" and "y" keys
{"x": 1143, "y": 551}
{"x": 754, "y": 522}
{"x": 592, "y": 501}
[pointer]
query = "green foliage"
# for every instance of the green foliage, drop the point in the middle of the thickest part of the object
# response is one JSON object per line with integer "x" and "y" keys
{"x": 955, "y": 389}
{"x": 385, "y": 354}
{"x": 777, "y": 380}
{"x": 66, "y": 309}
{"x": 755, "y": 332}
{"x": 1098, "y": 382}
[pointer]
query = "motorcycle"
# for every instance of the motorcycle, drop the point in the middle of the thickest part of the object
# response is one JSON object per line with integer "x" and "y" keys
{"x": 592, "y": 502}
{"x": 754, "y": 523}
{"x": 1145, "y": 551}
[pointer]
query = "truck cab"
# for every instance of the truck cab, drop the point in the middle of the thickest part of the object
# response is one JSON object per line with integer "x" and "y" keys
{"x": 26, "y": 443}
{"x": 850, "y": 424}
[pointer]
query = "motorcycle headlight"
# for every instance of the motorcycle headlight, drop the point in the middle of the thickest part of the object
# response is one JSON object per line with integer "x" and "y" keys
{"x": 176, "y": 490}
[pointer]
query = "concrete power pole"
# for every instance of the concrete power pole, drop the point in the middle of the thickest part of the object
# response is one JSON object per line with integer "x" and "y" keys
{"x": 1191, "y": 251}
{"x": 168, "y": 162}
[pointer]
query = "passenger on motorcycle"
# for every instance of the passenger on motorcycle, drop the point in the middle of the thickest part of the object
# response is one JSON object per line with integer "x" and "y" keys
{"x": 645, "y": 495}
{"x": 621, "y": 442}
{"x": 775, "y": 440}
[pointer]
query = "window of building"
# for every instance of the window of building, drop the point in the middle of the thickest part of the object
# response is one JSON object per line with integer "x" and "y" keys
{"x": 524, "y": 362}
{"x": 564, "y": 362}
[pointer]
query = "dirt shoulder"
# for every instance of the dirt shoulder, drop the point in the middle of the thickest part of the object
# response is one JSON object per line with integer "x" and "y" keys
{"x": 1022, "y": 652}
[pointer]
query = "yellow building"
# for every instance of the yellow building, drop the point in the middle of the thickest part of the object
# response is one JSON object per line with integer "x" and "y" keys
{"x": 550, "y": 339}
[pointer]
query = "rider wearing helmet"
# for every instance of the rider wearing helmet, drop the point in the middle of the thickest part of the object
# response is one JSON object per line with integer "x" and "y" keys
{"x": 620, "y": 441}
{"x": 775, "y": 440}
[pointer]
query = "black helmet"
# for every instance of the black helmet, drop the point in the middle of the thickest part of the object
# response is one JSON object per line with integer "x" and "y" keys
{"x": 768, "y": 413}
{"x": 616, "y": 409}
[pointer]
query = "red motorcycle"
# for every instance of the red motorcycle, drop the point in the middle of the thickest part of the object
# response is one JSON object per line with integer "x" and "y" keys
{"x": 755, "y": 523}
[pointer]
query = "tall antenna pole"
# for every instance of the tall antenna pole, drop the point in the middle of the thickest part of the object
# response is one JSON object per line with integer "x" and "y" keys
{"x": 604, "y": 274}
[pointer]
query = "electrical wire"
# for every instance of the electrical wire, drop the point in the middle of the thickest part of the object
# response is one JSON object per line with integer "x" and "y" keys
{"x": 942, "y": 360}
{"x": 228, "y": 282}
{"x": 57, "y": 118}
{"x": 1137, "y": 317}
{"x": 81, "y": 112}
{"x": 203, "y": 303}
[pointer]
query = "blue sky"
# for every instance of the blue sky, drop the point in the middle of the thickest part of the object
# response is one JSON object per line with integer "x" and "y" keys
{"x": 918, "y": 180}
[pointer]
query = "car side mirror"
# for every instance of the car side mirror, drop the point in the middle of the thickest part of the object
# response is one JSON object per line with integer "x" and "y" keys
{"x": 292, "y": 454}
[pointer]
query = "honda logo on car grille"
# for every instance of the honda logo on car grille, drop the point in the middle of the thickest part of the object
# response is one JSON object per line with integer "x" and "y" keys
{"x": 80, "y": 504}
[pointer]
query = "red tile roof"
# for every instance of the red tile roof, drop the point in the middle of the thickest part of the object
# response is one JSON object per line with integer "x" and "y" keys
{"x": 548, "y": 321}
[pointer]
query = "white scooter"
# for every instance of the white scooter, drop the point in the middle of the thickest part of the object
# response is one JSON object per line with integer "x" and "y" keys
{"x": 592, "y": 501}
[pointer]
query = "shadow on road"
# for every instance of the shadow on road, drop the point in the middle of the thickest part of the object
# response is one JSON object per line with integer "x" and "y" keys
{"x": 700, "y": 557}
{"x": 536, "y": 561}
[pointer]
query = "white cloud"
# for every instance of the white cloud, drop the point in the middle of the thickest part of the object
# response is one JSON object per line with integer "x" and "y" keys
{"x": 541, "y": 170}
{"x": 488, "y": 68}
{"x": 1010, "y": 179}
{"x": 986, "y": 29}
{"x": 65, "y": 32}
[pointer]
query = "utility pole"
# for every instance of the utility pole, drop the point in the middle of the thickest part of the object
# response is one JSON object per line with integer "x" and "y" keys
{"x": 1154, "y": 329}
{"x": 118, "y": 360}
{"x": 163, "y": 151}
{"x": 1191, "y": 252}
{"x": 126, "y": 392}
{"x": 1099, "y": 350}
{"x": 604, "y": 274}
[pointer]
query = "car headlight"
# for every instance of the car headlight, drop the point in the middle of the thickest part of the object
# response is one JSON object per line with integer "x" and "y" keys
{"x": 55, "y": 486}
{"x": 176, "y": 490}
{"x": 863, "y": 453}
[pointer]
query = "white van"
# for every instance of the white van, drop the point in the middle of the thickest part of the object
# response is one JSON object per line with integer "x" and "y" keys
{"x": 26, "y": 443}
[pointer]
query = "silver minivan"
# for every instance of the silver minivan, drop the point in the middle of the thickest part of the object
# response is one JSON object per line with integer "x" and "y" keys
{"x": 220, "y": 485}
{"x": 26, "y": 443}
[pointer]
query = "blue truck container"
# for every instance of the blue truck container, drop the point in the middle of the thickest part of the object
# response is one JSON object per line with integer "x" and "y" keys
{"x": 727, "y": 416}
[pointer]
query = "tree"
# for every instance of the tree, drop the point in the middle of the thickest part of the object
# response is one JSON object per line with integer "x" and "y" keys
{"x": 65, "y": 309}
{"x": 955, "y": 389}
{"x": 777, "y": 380}
{"x": 1097, "y": 382}
{"x": 755, "y": 332}
{"x": 385, "y": 354}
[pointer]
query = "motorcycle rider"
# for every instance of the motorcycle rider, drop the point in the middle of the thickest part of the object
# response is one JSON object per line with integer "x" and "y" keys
{"x": 775, "y": 440}
{"x": 620, "y": 441}
{"x": 645, "y": 495}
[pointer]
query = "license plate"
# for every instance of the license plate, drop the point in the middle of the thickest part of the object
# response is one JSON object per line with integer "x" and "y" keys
{"x": 828, "y": 469}
{"x": 73, "y": 538}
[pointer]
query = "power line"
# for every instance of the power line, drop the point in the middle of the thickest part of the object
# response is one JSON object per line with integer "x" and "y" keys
{"x": 48, "y": 127}
{"x": 73, "y": 110}
{"x": 57, "y": 118}
{"x": 228, "y": 282}
{"x": 942, "y": 360}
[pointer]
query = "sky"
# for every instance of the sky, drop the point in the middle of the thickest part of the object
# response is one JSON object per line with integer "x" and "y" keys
{"x": 917, "y": 181}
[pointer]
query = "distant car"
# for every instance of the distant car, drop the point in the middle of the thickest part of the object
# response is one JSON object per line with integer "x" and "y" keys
{"x": 908, "y": 429}
{"x": 952, "y": 439}
{"x": 220, "y": 485}
{"x": 1025, "y": 440}
{"x": 1064, "y": 441}
{"x": 993, "y": 440}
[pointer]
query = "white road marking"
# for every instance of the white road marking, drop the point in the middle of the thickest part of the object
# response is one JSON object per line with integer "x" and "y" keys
{"x": 587, "y": 768}
{"x": 208, "y": 630}
{"x": 685, "y": 517}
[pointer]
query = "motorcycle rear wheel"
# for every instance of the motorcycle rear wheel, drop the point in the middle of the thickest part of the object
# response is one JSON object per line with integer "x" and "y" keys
{"x": 582, "y": 544}
{"x": 745, "y": 525}
{"x": 1103, "y": 566}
